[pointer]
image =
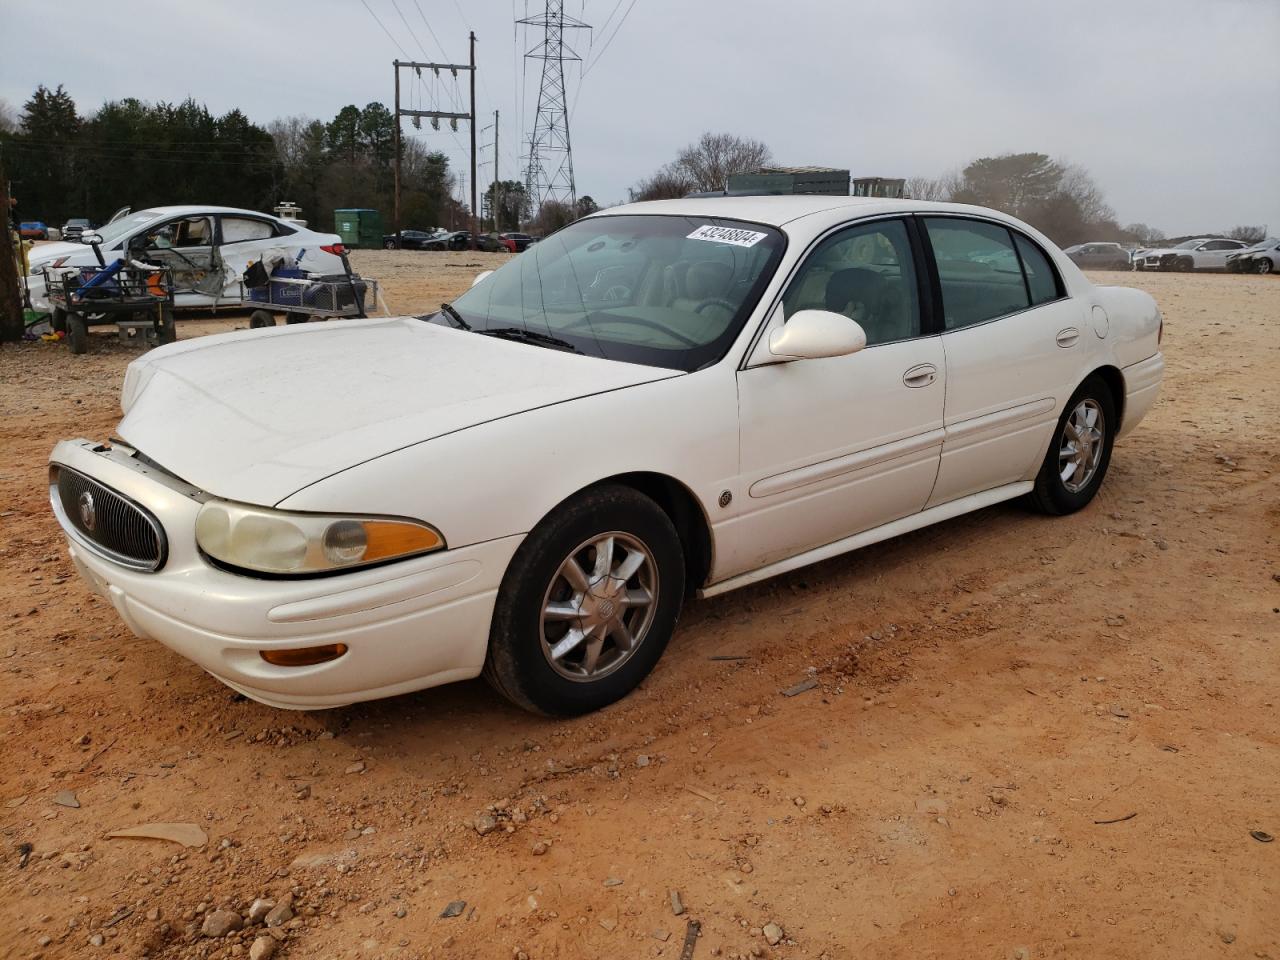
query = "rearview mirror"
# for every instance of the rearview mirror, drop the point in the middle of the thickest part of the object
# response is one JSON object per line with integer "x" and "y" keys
{"x": 480, "y": 276}
{"x": 811, "y": 334}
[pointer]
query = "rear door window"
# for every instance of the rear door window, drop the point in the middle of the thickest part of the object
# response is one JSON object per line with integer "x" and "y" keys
{"x": 1042, "y": 279}
{"x": 240, "y": 229}
{"x": 979, "y": 271}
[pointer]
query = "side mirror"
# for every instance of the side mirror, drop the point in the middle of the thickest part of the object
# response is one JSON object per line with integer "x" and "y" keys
{"x": 480, "y": 276}
{"x": 811, "y": 334}
{"x": 90, "y": 238}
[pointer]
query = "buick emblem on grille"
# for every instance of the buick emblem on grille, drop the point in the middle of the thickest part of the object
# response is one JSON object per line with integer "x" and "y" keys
{"x": 88, "y": 512}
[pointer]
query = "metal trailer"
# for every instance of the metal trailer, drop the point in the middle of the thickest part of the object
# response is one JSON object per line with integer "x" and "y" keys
{"x": 136, "y": 297}
{"x": 302, "y": 298}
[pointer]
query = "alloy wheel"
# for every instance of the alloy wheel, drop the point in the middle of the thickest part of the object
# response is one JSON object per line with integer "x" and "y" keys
{"x": 1082, "y": 445}
{"x": 599, "y": 606}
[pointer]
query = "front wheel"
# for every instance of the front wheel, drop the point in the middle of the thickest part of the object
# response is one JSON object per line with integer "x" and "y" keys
{"x": 587, "y": 605}
{"x": 166, "y": 328}
{"x": 261, "y": 318}
{"x": 1185, "y": 265}
{"x": 1080, "y": 453}
{"x": 388, "y": 244}
{"x": 1264, "y": 265}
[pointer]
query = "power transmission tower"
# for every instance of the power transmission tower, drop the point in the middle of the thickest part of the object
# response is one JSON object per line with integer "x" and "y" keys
{"x": 549, "y": 175}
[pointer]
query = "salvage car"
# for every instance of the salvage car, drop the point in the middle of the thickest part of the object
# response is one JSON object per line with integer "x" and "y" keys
{"x": 662, "y": 399}
{"x": 411, "y": 240}
{"x": 1099, "y": 256}
{"x": 1259, "y": 258}
{"x": 207, "y": 249}
{"x": 1205, "y": 253}
{"x": 75, "y": 227}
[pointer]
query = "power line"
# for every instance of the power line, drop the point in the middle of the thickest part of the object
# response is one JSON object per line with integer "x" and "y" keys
{"x": 604, "y": 49}
{"x": 390, "y": 36}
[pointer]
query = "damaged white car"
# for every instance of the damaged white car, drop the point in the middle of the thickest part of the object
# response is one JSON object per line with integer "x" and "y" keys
{"x": 661, "y": 399}
{"x": 207, "y": 249}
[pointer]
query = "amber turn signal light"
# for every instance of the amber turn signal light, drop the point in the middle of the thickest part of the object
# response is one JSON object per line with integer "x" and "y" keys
{"x": 304, "y": 656}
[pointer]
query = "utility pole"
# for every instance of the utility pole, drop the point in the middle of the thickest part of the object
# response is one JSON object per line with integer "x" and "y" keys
{"x": 11, "y": 325}
{"x": 497, "y": 188}
{"x": 435, "y": 116}
{"x": 396, "y": 189}
{"x": 475, "y": 243}
{"x": 550, "y": 172}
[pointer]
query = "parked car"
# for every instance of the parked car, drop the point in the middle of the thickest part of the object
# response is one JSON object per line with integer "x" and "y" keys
{"x": 1099, "y": 256}
{"x": 765, "y": 381}
{"x": 33, "y": 230}
{"x": 207, "y": 248}
{"x": 519, "y": 241}
{"x": 409, "y": 240}
{"x": 1205, "y": 253}
{"x": 461, "y": 240}
{"x": 73, "y": 228}
{"x": 1259, "y": 258}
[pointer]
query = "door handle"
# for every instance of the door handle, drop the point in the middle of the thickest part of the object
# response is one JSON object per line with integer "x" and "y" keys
{"x": 921, "y": 375}
{"x": 1068, "y": 337}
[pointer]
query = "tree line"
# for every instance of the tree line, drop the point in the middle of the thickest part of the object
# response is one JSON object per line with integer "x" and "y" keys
{"x": 64, "y": 164}
{"x": 1059, "y": 198}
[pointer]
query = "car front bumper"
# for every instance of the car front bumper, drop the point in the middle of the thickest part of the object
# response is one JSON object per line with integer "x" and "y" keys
{"x": 407, "y": 626}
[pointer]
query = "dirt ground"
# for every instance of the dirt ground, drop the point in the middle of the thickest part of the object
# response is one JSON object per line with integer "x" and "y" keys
{"x": 1029, "y": 738}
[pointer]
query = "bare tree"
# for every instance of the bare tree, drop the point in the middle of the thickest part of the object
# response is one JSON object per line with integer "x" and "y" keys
{"x": 8, "y": 117}
{"x": 717, "y": 156}
{"x": 667, "y": 184}
{"x": 289, "y": 133}
{"x": 931, "y": 188}
{"x": 1254, "y": 234}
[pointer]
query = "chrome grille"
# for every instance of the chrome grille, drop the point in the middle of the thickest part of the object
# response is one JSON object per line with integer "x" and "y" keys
{"x": 106, "y": 521}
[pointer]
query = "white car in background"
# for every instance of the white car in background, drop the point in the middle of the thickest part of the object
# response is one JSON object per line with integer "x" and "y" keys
{"x": 1205, "y": 253}
{"x": 206, "y": 247}
{"x": 660, "y": 399}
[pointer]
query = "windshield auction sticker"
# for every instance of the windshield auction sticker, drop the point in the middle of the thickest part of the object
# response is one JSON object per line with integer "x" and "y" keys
{"x": 739, "y": 238}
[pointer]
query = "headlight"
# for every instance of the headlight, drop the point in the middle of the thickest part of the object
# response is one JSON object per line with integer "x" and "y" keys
{"x": 279, "y": 542}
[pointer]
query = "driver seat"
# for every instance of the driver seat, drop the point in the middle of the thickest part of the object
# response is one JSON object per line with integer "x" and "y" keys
{"x": 704, "y": 280}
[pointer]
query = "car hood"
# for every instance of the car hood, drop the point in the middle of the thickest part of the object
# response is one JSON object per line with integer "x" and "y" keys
{"x": 257, "y": 415}
{"x": 48, "y": 252}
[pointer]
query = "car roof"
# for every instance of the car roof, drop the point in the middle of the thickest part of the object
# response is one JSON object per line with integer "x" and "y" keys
{"x": 779, "y": 210}
{"x": 189, "y": 208}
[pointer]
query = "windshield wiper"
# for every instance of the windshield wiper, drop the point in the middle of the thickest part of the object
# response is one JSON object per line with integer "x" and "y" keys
{"x": 520, "y": 335}
{"x": 454, "y": 315}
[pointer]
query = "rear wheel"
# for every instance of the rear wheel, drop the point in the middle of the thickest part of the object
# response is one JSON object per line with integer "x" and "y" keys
{"x": 1265, "y": 265}
{"x": 1078, "y": 457}
{"x": 587, "y": 605}
{"x": 388, "y": 244}
{"x": 261, "y": 318}
{"x": 296, "y": 318}
{"x": 77, "y": 333}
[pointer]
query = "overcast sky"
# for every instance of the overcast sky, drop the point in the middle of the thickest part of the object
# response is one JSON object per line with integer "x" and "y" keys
{"x": 1172, "y": 105}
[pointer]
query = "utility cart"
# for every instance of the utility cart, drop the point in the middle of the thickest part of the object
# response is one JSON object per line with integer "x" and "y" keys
{"x": 136, "y": 297}
{"x": 302, "y": 298}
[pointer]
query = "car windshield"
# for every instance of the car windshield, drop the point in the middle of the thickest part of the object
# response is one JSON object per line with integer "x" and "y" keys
{"x": 666, "y": 291}
{"x": 112, "y": 232}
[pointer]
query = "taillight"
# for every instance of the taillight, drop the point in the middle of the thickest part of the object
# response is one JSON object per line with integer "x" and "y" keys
{"x": 336, "y": 249}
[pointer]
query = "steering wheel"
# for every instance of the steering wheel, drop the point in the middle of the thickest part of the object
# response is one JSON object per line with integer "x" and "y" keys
{"x": 716, "y": 302}
{"x": 644, "y": 322}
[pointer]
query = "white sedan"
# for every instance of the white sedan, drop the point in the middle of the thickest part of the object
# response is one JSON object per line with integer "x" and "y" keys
{"x": 659, "y": 400}
{"x": 207, "y": 248}
{"x": 1205, "y": 253}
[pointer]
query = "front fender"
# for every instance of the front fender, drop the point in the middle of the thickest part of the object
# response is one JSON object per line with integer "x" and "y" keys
{"x": 500, "y": 478}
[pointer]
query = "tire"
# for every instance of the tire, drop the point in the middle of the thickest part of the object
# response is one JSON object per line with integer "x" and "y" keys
{"x": 1185, "y": 265}
{"x": 296, "y": 318}
{"x": 261, "y": 318}
{"x": 1265, "y": 265}
{"x": 166, "y": 327}
{"x": 388, "y": 244}
{"x": 520, "y": 663}
{"x": 1052, "y": 493}
{"x": 58, "y": 320}
{"x": 77, "y": 334}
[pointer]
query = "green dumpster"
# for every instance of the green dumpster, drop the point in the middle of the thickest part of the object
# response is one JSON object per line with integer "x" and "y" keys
{"x": 358, "y": 227}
